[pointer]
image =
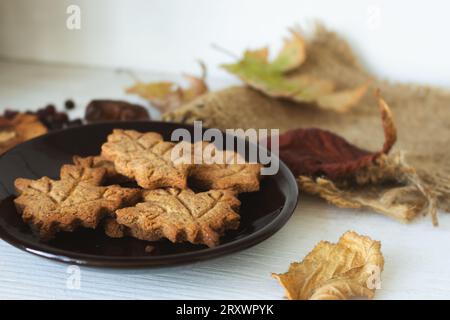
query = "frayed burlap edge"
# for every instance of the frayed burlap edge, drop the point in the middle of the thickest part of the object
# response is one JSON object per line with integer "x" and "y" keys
{"x": 389, "y": 186}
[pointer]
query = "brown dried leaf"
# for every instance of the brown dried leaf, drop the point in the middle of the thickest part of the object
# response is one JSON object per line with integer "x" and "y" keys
{"x": 402, "y": 203}
{"x": 344, "y": 100}
{"x": 389, "y": 186}
{"x": 197, "y": 87}
{"x": 349, "y": 268}
{"x": 167, "y": 96}
{"x": 313, "y": 152}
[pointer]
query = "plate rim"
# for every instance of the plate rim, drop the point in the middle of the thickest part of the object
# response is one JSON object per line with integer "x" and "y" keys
{"x": 91, "y": 260}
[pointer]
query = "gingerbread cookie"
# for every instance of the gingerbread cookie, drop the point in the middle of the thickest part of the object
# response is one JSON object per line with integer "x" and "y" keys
{"x": 217, "y": 169}
{"x": 77, "y": 199}
{"x": 145, "y": 157}
{"x": 182, "y": 215}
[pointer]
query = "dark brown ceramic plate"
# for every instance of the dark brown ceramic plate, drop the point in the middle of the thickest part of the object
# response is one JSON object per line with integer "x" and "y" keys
{"x": 262, "y": 213}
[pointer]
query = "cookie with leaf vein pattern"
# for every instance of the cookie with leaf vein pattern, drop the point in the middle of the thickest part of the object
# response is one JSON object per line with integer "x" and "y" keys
{"x": 223, "y": 169}
{"x": 182, "y": 215}
{"x": 112, "y": 176}
{"x": 77, "y": 199}
{"x": 147, "y": 158}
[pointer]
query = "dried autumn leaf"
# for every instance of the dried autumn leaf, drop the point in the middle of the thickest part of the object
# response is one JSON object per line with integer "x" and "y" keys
{"x": 349, "y": 268}
{"x": 164, "y": 96}
{"x": 292, "y": 55}
{"x": 196, "y": 88}
{"x": 344, "y": 100}
{"x": 312, "y": 152}
{"x": 402, "y": 203}
{"x": 276, "y": 79}
{"x": 406, "y": 197}
{"x": 167, "y": 96}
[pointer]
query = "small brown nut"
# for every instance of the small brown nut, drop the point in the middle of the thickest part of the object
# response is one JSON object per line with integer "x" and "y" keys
{"x": 114, "y": 110}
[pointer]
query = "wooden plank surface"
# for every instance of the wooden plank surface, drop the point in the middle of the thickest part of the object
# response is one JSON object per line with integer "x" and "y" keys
{"x": 417, "y": 262}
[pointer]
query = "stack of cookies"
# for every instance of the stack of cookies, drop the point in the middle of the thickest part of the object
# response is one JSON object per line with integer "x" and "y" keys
{"x": 90, "y": 192}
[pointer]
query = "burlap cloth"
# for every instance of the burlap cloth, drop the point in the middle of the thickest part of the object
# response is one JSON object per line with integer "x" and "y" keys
{"x": 422, "y": 113}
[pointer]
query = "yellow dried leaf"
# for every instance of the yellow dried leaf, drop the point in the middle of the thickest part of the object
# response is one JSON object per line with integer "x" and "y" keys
{"x": 164, "y": 96}
{"x": 388, "y": 186}
{"x": 292, "y": 55}
{"x": 402, "y": 203}
{"x": 276, "y": 78}
{"x": 167, "y": 96}
{"x": 312, "y": 87}
{"x": 261, "y": 55}
{"x": 350, "y": 268}
{"x": 342, "y": 101}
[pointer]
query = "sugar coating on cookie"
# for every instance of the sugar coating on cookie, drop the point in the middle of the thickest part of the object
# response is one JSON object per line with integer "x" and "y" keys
{"x": 182, "y": 215}
{"x": 77, "y": 199}
{"x": 145, "y": 157}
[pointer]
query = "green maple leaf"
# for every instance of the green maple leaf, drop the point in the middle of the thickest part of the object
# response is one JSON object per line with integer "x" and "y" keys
{"x": 277, "y": 79}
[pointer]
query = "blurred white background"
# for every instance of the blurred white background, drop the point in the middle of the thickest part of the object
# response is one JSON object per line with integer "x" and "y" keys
{"x": 401, "y": 40}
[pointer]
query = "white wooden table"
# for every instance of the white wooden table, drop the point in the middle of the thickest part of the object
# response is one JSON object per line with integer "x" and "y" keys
{"x": 417, "y": 258}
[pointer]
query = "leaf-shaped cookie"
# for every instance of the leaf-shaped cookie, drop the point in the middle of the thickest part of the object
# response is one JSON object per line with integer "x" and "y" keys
{"x": 283, "y": 77}
{"x": 350, "y": 268}
{"x": 182, "y": 215}
{"x": 49, "y": 206}
{"x": 145, "y": 157}
{"x": 112, "y": 176}
{"x": 218, "y": 169}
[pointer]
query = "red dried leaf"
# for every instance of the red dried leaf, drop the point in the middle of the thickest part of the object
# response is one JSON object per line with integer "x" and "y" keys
{"x": 313, "y": 152}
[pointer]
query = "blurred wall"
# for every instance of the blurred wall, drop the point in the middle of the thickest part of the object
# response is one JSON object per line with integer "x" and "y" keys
{"x": 402, "y": 40}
